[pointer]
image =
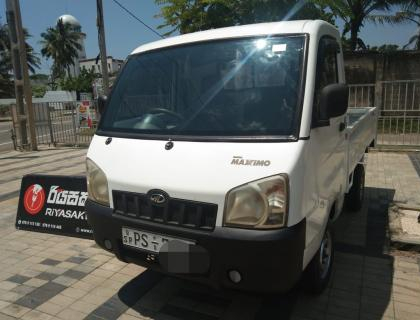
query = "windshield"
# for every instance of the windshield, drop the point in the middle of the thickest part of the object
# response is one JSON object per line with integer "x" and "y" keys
{"x": 229, "y": 88}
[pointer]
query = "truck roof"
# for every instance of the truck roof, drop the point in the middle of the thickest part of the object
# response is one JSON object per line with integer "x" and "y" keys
{"x": 259, "y": 29}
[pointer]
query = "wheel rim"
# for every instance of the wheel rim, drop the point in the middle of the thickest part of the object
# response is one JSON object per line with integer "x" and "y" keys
{"x": 325, "y": 254}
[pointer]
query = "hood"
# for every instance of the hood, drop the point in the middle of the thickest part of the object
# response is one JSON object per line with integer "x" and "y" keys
{"x": 198, "y": 171}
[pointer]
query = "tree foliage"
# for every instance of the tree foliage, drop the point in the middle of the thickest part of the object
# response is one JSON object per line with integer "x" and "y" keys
{"x": 410, "y": 13}
{"x": 6, "y": 59}
{"x": 385, "y": 48}
{"x": 347, "y": 44}
{"x": 187, "y": 16}
{"x": 60, "y": 43}
{"x": 38, "y": 91}
{"x": 82, "y": 83}
{"x": 39, "y": 77}
{"x": 355, "y": 13}
{"x": 7, "y": 88}
{"x": 6, "y": 65}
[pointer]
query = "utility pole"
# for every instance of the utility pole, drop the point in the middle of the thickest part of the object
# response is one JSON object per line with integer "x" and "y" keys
{"x": 22, "y": 86}
{"x": 102, "y": 46}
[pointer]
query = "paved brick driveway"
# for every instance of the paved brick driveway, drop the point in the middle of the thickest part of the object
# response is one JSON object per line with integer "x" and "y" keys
{"x": 47, "y": 277}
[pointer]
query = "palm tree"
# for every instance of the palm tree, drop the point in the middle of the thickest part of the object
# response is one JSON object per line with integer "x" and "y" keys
{"x": 6, "y": 66}
{"x": 189, "y": 16}
{"x": 61, "y": 43}
{"x": 410, "y": 13}
{"x": 414, "y": 39}
{"x": 6, "y": 60}
{"x": 355, "y": 13}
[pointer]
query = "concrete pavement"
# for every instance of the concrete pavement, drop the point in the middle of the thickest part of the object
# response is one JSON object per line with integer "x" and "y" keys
{"x": 53, "y": 277}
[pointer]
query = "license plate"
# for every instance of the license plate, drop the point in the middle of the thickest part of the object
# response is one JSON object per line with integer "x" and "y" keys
{"x": 145, "y": 240}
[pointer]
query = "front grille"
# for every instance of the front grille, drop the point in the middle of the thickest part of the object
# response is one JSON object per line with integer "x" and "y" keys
{"x": 177, "y": 212}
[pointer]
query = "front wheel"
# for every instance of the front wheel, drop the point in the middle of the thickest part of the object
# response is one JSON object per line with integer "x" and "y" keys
{"x": 318, "y": 271}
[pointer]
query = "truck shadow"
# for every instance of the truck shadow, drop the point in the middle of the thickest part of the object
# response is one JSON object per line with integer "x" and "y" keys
{"x": 360, "y": 287}
{"x": 362, "y": 281}
{"x": 171, "y": 298}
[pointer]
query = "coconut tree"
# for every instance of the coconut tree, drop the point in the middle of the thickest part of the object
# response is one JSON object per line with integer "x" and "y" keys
{"x": 356, "y": 12}
{"x": 6, "y": 61}
{"x": 6, "y": 66}
{"x": 410, "y": 12}
{"x": 61, "y": 43}
{"x": 186, "y": 16}
{"x": 415, "y": 39}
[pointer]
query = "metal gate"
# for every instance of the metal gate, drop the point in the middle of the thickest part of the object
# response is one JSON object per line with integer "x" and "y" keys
{"x": 61, "y": 123}
{"x": 398, "y": 122}
{"x": 399, "y": 104}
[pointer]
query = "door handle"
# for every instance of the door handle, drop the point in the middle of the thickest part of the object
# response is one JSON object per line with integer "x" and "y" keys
{"x": 342, "y": 126}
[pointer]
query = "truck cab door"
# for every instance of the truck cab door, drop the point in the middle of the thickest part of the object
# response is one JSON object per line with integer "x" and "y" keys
{"x": 330, "y": 135}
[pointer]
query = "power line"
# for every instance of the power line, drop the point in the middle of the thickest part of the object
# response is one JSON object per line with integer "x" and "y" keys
{"x": 137, "y": 18}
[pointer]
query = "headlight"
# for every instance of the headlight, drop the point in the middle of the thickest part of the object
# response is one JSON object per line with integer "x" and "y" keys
{"x": 97, "y": 184}
{"x": 260, "y": 204}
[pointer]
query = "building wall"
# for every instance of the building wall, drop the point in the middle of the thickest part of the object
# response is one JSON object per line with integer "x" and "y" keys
{"x": 114, "y": 65}
{"x": 369, "y": 67}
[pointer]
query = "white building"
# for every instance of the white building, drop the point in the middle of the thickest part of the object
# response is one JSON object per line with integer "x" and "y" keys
{"x": 114, "y": 65}
{"x": 68, "y": 19}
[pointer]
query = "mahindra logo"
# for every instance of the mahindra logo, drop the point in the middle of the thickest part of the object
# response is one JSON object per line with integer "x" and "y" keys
{"x": 158, "y": 196}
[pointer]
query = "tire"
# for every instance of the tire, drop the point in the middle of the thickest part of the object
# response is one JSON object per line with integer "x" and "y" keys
{"x": 318, "y": 272}
{"x": 354, "y": 199}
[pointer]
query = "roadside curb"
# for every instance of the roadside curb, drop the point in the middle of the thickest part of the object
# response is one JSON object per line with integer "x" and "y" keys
{"x": 401, "y": 237}
{"x": 394, "y": 150}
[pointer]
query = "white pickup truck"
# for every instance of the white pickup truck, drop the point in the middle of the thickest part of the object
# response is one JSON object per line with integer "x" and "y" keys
{"x": 224, "y": 156}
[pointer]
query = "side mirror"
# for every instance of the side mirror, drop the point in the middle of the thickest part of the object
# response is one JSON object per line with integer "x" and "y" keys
{"x": 333, "y": 101}
{"x": 102, "y": 104}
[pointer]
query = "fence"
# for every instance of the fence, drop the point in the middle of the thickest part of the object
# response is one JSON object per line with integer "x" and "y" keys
{"x": 361, "y": 95}
{"x": 4, "y": 112}
{"x": 62, "y": 123}
{"x": 398, "y": 122}
{"x": 399, "y": 107}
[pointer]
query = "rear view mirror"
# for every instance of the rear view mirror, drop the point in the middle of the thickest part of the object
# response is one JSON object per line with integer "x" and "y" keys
{"x": 102, "y": 100}
{"x": 333, "y": 101}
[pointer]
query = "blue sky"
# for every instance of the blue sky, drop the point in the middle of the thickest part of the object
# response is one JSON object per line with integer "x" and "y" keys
{"x": 123, "y": 33}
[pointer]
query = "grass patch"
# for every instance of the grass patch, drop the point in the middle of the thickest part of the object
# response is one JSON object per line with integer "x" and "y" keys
{"x": 398, "y": 126}
{"x": 87, "y": 132}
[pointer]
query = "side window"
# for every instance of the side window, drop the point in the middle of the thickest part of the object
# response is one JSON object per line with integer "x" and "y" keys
{"x": 326, "y": 68}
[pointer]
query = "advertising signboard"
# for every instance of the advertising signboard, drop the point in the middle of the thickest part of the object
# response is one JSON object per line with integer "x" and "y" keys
{"x": 53, "y": 204}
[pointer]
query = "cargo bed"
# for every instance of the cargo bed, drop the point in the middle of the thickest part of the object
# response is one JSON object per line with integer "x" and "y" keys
{"x": 361, "y": 132}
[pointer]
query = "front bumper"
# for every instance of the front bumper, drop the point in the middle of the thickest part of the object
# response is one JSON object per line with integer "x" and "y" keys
{"x": 268, "y": 260}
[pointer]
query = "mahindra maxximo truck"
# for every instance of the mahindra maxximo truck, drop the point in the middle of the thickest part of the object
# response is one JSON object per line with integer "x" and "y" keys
{"x": 224, "y": 156}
